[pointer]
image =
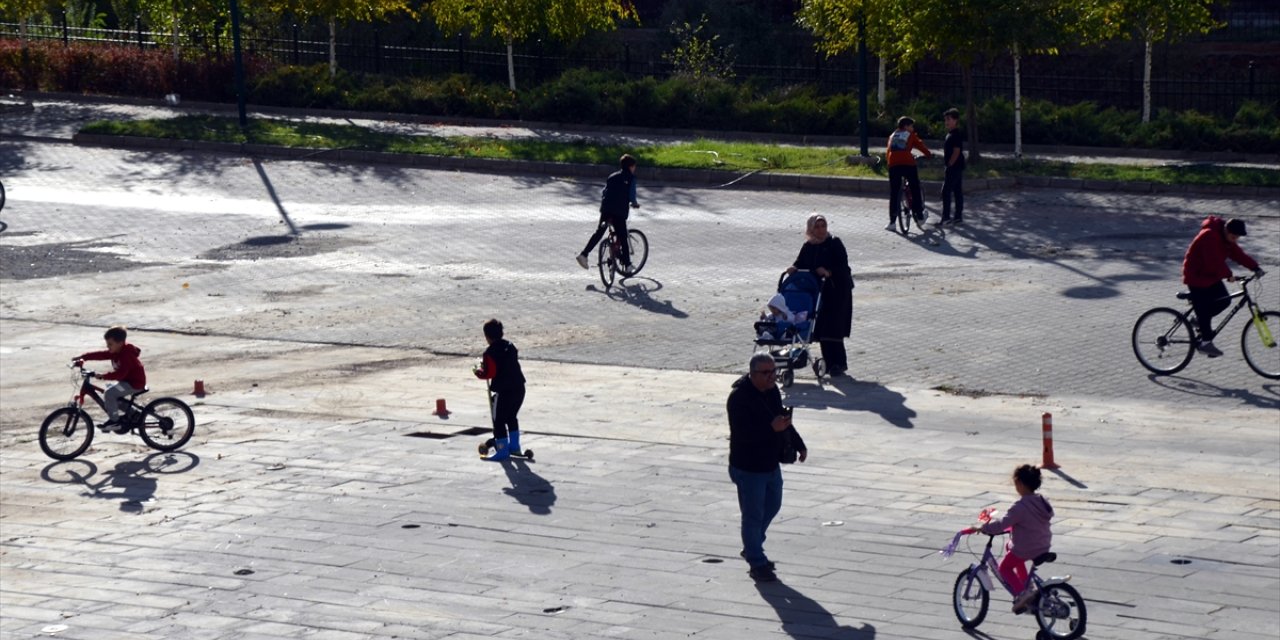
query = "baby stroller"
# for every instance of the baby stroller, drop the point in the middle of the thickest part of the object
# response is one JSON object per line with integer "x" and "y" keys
{"x": 788, "y": 342}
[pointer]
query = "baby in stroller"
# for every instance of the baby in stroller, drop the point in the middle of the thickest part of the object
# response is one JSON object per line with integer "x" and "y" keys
{"x": 777, "y": 321}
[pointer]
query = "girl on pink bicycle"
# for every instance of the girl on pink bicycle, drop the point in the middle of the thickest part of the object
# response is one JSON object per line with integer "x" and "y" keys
{"x": 1028, "y": 523}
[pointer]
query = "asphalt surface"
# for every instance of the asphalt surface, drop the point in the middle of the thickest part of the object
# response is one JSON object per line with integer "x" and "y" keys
{"x": 328, "y": 305}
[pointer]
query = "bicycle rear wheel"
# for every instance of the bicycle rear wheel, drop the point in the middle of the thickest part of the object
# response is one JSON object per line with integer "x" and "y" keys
{"x": 66, "y": 433}
{"x": 638, "y": 250}
{"x": 904, "y": 212}
{"x": 1060, "y": 612}
{"x": 166, "y": 424}
{"x": 969, "y": 600}
{"x": 1264, "y": 360}
{"x": 605, "y": 263}
{"x": 1163, "y": 341}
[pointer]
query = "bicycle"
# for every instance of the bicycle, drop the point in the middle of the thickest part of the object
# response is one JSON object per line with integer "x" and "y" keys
{"x": 164, "y": 424}
{"x": 2, "y": 197}
{"x": 610, "y": 252}
{"x": 1164, "y": 339}
{"x": 1058, "y": 607}
{"x": 905, "y": 214}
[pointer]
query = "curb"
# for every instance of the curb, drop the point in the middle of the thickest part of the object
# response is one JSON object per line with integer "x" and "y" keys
{"x": 699, "y": 177}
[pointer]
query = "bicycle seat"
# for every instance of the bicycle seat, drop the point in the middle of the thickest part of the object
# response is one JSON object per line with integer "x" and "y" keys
{"x": 135, "y": 394}
{"x": 1184, "y": 295}
{"x": 1044, "y": 558}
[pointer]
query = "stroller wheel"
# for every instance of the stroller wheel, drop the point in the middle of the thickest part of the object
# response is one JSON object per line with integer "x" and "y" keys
{"x": 788, "y": 376}
{"x": 819, "y": 367}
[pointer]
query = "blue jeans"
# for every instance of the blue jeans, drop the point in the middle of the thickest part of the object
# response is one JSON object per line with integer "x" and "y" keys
{"x": 760, "y": 499}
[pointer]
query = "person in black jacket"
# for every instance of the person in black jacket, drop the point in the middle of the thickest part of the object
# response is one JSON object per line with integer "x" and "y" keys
{"x": 759, "y": 428}
{"x": 616, "y": 200}
{"x": 825, "y": 255}
{"x": 953, "y": 179}
{"x": 501, "y": 367}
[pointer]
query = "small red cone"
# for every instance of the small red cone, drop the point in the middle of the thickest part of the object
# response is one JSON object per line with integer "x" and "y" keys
{"x": 1046, "y": 426}
{"x": 440, "y": 409}
{"x": 199, "y": 390}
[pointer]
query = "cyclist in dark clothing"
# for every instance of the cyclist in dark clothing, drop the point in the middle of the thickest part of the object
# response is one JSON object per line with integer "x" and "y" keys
{"x": 1204, "y": 268}
{"x": 616, "y": 201}
{"x": 501, "y": 367}
{"x": 758, "y": 424}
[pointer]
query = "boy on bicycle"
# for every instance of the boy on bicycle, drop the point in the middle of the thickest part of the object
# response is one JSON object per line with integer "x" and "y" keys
{"x": 126, "y": 370}
{"x": 1028, "y": 523}
{"x": 1205, "y": 266}
{"x": 617, "y": 198}
{"x": 903, "y": 165}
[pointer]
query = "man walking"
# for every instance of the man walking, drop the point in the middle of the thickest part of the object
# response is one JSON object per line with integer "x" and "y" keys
{"x": 759, "y": 430}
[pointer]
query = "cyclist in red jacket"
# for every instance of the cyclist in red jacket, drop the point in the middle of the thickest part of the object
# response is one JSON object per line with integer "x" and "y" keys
{"x": 1204, "y": 268}
{"x": 126, "y": 370}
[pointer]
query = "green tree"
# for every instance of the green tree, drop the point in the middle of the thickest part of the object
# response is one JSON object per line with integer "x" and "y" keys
{"x": 22, "y": 12}
{"x": 1026, "y": 27}
{"x": 835, "y": 23}
{"x": 1153, "y": 21}
{"x": 513, "y": 21}
{"x": 335, "y": 11}
{"x": 697, "y": 56}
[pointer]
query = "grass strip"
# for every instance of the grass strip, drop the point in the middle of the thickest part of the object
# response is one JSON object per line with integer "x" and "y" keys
{"x": 694, "y": 154}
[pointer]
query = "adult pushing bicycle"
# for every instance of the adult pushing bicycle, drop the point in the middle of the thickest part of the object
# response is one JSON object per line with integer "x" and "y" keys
{"x": 165, "y": 424}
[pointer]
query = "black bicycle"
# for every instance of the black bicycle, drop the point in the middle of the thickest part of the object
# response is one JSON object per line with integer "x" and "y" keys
{"x": 610, "y": 255}
{"x": 164, "y": 423}
{"x": 1164, "y": 339}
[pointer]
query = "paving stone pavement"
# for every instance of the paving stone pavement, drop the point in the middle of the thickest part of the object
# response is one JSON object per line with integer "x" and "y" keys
{"x": 326, "y": 351}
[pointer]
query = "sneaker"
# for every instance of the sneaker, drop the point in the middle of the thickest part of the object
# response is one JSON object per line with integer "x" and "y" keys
{"x": 892, "y": 226}
{"x": 768, "y": 564}
{"x": 582, "y": 260}
{"x": 1208, "y": 349}
{"x": 958, "y": 221}
{"x": 763, "y": 573}
{"x": 1024, "y": 599}
{"x": 109, "y": 425}
{"x": 946, "y": 222}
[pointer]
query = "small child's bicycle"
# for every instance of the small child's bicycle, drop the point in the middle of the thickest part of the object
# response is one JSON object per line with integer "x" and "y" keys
{"x": 1058, "y": 607}
{"x": 610, "y": 253}
{"x": 164, "y": 423}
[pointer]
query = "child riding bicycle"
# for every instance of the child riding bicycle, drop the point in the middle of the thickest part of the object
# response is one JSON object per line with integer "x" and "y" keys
{"x": 127, "y": 371}
{"x": 902, "y": 164}
{"x": 1028, "y": 523}
{"x": 617, "y": 198}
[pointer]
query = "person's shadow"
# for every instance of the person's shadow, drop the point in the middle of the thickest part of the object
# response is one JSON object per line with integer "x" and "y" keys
{"x": 855, "y": 395}
{"x": 802, "y": 617}
{"x": 528, "y": 488}
{"x": 133, "y": 484}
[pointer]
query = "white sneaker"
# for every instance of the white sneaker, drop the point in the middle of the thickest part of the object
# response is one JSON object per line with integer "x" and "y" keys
{"x": 891, "y": 227}
{"x": 582, "y": 260}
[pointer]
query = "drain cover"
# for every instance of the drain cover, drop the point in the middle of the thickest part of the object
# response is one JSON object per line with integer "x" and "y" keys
{"x": 410, "y": 526}
{"x": 712, "y": 560}
{"x": 244, "y": 572}
{"x": 1180, "y": 561}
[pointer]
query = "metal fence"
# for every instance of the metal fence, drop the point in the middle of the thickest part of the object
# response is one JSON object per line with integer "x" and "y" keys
{"x": 1175, "y": 85}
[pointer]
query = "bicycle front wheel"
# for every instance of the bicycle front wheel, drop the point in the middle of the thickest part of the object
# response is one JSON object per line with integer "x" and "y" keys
{"x": 606, "y": 264}
{"x": 166, "y": 424}
{"x": 1263, "y": 359}
{"x": 1060, "y": 612}
{"x": 1163, "y": 341}
{"x": 638, "y": 250}
{"x": 969, "y": 600}
{"x": 66, "y": 433}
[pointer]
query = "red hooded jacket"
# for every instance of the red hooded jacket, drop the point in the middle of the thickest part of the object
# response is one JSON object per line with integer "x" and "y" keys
{"x": 1206, "y": 262}
{"x": 125, "y": 365}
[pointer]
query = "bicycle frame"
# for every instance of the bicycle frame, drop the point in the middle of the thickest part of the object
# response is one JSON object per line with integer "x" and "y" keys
{"x": 987, "y": 566}
{"x": 87, "y": 388}
{"x": 1245, "y": 301}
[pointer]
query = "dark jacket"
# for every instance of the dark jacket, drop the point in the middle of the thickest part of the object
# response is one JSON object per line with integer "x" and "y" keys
{"x": 501, "y": 366}
{"x": 1206, "y": 261}
{"x": 1029, "y": 518}
{"x": 125, "y": 365}
{"x": 753, "y": 444}
{"x": 615, "y": 199}
{"x": 835, "y": 316}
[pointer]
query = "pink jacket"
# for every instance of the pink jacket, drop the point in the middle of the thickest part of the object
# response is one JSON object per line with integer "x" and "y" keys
{"x": 1029, "y": 518}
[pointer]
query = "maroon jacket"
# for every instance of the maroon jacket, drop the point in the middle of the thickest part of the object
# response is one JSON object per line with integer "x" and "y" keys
{"x": 1206, "y": 262}
{"x": 124, "y": 365}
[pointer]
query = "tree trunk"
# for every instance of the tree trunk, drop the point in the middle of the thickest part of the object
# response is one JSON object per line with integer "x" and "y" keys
{"x": 880, "y": 84}
{"x": 333, "y": 48}
{"x": 511, "y": 66}
{"x": 971, "y": 112}
{"x": 1017, "y": 103}
{"x": 1146, "y": 82}
{"x": 176, "y": 55}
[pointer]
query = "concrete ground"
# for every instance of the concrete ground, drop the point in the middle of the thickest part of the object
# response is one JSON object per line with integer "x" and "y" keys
{"x": 320, "y": 497}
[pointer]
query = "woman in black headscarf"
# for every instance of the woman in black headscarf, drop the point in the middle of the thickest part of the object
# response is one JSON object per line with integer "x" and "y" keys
{"x": 824, "y": 255}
